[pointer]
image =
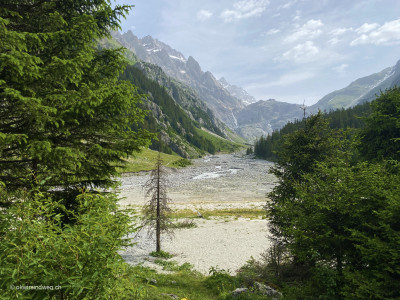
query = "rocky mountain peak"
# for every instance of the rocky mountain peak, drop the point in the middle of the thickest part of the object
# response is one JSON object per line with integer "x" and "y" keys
{"x": 209, "y": 79}
{"x": 223, "y": 82}
{"x": 193, "y": 66}
{"x": 220, "y": 100}
{"x": 237, "y": 91}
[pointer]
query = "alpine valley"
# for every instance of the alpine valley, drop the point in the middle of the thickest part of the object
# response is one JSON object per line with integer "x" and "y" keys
{"x": 212, "y": 109}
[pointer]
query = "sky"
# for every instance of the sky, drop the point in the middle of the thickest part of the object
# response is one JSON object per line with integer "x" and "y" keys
{"x": 289, "y": 50}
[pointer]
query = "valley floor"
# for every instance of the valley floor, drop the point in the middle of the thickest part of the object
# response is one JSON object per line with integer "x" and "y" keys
{"x": 211, "y": 185}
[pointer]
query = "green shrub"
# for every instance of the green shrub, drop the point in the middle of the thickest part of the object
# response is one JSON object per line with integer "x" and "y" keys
{"x": 181, "y": 163}
{"x": 220, "y": 281}
{"x": 161, "y": 254}
{"x": 188, "y": 223}
{"x": 173, "y": 265}
{"x": 75, "y": 261}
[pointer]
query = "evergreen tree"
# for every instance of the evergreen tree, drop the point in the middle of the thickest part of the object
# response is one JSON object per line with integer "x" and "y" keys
{"x": 156, "y": 212}
{"x": 65, "y": 118}
{"x": 298, "y": 156}
{"x": 65, "y": 124}
{"x": 380, "y": 139}
{"x": 337, "y": 218}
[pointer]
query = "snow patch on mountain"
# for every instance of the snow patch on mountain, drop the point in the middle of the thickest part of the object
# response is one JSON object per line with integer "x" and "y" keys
{"x": 371, "y": 87}
{"x": 178, "y": 58}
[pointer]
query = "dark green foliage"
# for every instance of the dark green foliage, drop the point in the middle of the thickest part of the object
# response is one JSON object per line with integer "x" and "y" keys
{"x": 299, "y": 154}
{"x": 377, "y": 238}
{"x": 249, "y": 151}
{"x": 336, "y": 217}
{"x": 161, "y": 254}
{"x": 65, "y": 124}
{"x": 380, "y": 139}
{"x": 171, "y": 113}
{"x": 184, "y": 96}
{"x": 182, "y": 163}
{"x": 65, "y": 118}
{"x": 220, "y": 281}
{"x": 268, "y": 147}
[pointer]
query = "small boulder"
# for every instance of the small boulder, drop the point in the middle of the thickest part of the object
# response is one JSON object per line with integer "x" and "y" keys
{"x": 239, "y": 291}
{"x": 267, "y": 290}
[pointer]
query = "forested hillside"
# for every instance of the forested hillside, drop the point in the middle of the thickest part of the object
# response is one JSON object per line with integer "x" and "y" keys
{"x": 267, "y": 147}
{"x": 166, "y": 112}
{"x": 174, "y": 109}
{"x": 334, "y": 214}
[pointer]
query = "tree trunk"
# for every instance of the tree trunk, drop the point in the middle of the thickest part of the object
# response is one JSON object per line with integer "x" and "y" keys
{"x": 158, "y": 223}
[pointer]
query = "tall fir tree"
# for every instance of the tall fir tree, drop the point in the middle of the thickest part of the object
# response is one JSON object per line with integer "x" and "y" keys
{"x": 298, "y": 155}
{"x": 65, "y": 118}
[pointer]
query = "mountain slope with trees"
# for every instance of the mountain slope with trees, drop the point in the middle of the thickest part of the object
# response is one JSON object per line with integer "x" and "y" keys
{"x": 269, "y": 145}
{"x": 333, "y": 210}
{"x": 178, "y": 99}
{"x": 176, "y": 130}
{"x": 187, "y": 71}
{"x": 362, "y": 90}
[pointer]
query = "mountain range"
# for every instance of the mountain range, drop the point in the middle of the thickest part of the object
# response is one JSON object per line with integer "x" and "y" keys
{"x": 229, "y": 103}
{"x": 362, "y": 90}
{"x": 232, "y": 105}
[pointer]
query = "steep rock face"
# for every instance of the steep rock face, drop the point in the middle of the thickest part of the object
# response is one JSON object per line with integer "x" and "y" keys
{"x": 264, "y": 117}
{"x": 391, "y": 80}
{"x": 188, "y": 71}
{"x": 237, "y": 92}
{"x": 361, "y": 90}
{"x": 186, "y": 97}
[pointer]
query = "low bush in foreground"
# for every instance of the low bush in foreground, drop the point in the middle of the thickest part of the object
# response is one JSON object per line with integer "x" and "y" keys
{"x": 44, "y": 258}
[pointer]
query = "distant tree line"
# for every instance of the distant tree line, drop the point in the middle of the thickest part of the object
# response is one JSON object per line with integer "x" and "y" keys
{"x": 267, "y": 147}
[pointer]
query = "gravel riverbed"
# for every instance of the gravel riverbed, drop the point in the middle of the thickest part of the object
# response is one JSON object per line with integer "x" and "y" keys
{"x": 212, "y": 182}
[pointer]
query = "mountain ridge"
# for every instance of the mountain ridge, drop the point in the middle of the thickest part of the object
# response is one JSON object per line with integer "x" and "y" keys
{"x": 237, "y": 108}
{"x": 188, "y": 71}
{"x": 361, "y": 90}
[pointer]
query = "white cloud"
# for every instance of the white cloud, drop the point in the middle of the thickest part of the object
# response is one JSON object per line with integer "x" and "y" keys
{"x": 245, "y": 9}
{"x": 366, "y": 28}
{"x": 340, "y": 31}
{"x": 333, "y": 41}
{"x": 204, "y": 15}
{"x": 289, "y": 4}
{"x": 341, "y": 70}
{"x": 309, "y": 30}
{"x": 273, "y": 31}
{"x": 387, "y": 34}
{"x": 301, "y": 52}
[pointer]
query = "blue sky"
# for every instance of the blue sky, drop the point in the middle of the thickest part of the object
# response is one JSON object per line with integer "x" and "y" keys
{"x": 288, "y": 50}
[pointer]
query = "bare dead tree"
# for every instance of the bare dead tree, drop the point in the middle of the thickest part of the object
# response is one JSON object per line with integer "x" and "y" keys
{"x": 303, "y": 108}
{"x": 156, "y": 212}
